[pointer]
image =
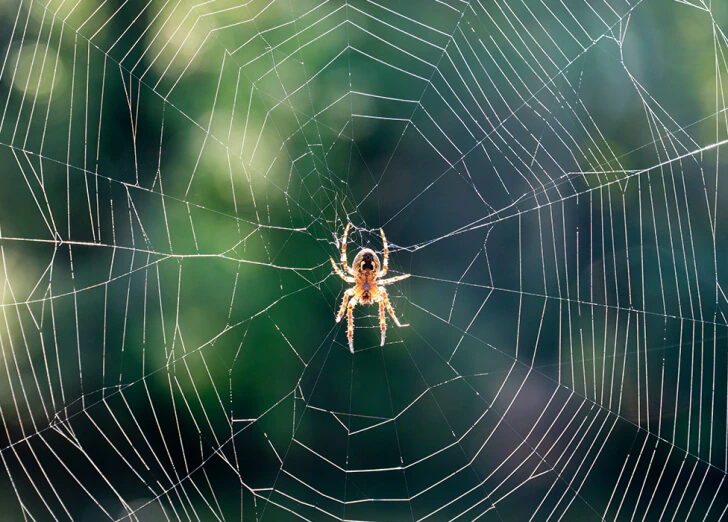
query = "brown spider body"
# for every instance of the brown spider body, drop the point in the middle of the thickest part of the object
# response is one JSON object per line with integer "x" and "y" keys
{"x": 365, "y": 274}
{"x": 366, "y": 263}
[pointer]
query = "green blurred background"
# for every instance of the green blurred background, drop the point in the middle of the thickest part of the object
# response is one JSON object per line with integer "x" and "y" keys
{"x": 175, "y": 177}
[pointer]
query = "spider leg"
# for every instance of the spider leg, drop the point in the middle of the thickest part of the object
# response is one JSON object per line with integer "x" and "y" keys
{"x": 347, "y": 295}
{"x": 350, "y": 323}
{"x": 385, "y": 299}
{"x": 385, "y": 264}
{"x": 382, "y": 321}
{"x": 343, "y": 251}
{"x": 341, "y": 274}
{"x": 393, "y": 279}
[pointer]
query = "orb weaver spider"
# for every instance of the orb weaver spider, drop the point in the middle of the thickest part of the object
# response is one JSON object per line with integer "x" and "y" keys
{"x": 368, "y": 288}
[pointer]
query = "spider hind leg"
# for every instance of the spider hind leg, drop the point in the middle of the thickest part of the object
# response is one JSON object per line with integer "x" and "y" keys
{"x": 385, "y": 299}
{"x": 350, "y": 323}
{"x": 344, "y": 301}
{"x": 382, "y": 321}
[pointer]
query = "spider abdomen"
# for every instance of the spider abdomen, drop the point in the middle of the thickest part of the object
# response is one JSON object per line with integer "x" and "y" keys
{"x": 366, "y": 292}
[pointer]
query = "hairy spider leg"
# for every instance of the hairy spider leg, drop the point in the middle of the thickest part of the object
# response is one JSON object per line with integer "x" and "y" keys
{"x": 350, "y": 323}
{"x": 347, "y": 268}
{"x": 382, "y": 321}
{"x": 393, "y": 279}
{"x": 385, "y": 298}
{"x": 342, "y": 309}
{"x": 385, "y": 264}
{"x": 341, "y": 274}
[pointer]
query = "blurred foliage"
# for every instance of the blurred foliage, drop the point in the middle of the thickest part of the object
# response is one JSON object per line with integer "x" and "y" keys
{"x": 183, "y": 175}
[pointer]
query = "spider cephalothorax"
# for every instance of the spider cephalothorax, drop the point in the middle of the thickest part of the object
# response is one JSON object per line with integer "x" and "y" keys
{"x": 366, "y": 261}
{"x": 368, "y": 288}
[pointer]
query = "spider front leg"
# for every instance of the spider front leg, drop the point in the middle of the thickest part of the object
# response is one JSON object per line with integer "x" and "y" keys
{"x": 341, "y": 274}
{"x": 347, "y": 269}
{"x": 350, "y": 323}
{"x": 385, "y": 300}
{"x": 347, "y": 295}
{"x": 385, "y": 263}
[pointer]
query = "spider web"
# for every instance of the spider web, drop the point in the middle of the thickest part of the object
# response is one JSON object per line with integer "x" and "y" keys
{"x": 176, "y": 175}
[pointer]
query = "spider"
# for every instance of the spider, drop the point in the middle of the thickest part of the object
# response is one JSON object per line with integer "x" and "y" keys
{"x": 368, "y": 289}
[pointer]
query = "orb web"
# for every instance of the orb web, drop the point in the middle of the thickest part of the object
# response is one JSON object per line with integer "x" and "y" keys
{"x": 176, "y": 175}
